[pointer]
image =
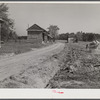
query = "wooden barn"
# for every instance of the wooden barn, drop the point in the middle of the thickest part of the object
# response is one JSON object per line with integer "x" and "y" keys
{"x": 36, "y": 34}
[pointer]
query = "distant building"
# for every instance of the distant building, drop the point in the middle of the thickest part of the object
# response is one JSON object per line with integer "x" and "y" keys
{"x": 36, "y": 34}
{"x": 71, "y": 37}
{"x": 70, "y": 40}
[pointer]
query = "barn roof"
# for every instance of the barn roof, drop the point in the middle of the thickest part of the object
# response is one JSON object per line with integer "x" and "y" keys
{"x": 35, "y": 27}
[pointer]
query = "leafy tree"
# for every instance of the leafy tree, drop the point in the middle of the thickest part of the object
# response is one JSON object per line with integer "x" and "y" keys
{"x": 53, "y": 30}
{"x": 8, "y": 24}
{"x": 91, "y": 37}
{"x": 79, "y": 35}
{"x": 67, "y": 36}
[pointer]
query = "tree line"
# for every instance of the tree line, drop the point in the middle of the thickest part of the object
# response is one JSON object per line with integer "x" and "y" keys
{"x": 80, "y": 36}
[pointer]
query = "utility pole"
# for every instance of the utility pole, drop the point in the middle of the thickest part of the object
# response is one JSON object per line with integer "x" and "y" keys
{"x": 1, "y": 21}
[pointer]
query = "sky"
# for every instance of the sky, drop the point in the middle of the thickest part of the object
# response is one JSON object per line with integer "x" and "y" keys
{"x": 68, "y": 17}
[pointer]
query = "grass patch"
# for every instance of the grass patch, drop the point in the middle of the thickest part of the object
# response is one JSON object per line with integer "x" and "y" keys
{"x": 18, "y": 47}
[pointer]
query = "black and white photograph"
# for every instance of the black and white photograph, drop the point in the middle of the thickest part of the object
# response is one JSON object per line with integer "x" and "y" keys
{"x": 49, "y": 46}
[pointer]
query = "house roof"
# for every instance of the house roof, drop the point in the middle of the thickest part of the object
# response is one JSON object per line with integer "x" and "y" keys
{"x": 35, "y": 27}
{"x": 50, "y": 36}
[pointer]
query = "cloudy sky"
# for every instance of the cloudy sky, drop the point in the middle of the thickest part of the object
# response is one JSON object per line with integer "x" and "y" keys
{"x": 68, "y": 17}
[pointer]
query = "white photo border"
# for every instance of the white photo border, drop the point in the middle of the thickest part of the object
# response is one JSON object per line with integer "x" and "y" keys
{"x": 49, "y": 93}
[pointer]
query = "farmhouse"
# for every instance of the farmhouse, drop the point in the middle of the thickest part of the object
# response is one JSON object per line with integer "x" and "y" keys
{"x": 36, "y": 34}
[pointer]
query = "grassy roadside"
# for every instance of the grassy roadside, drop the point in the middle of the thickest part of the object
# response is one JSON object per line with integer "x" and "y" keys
{"x": 19, "y": 47}
{"x": 79, "y": 68}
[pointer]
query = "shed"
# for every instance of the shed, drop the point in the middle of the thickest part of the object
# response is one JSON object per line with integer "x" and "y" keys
{"x": 36, "y": 34}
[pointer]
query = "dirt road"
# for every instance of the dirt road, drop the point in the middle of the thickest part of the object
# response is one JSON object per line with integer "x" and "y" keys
{"x": 15, "y": 64}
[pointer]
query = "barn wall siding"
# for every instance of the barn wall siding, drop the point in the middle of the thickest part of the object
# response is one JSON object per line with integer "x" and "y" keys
{"x": 35, "y": 37}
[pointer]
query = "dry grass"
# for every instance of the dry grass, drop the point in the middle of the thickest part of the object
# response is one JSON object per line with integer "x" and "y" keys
{"x": 18, "y": 47}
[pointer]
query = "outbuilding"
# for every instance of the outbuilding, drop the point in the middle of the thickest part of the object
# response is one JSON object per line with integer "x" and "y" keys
{"x": 36, "y": 34}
